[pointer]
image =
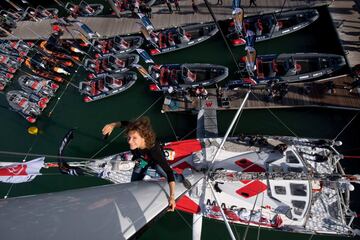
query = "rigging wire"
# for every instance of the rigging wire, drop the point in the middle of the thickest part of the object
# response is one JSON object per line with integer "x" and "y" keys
{"x": 282, "y": 7}
{"x": 342, "y": 130}
{"x": 72, "y": 77}
{"x": 63, "y": 92}
{"x": 60, "y": 3}
{"x": 29, "y": 74}
{"x": 67, "y": 85}
{"x": 119, "y": 134}
{"x": 24, "y": 160}
{"x": 186, "y": 222}
{"x": 236, "y": 124}
{"x": 311, "y": 236}
{"x": 188, "y": 134}
{"x": 247, "y": 226}
{"x": 262, "y": 204}
{"x": 76, "y": 158}
{"x": 277, "y": 118}
{"x": 39, "y": 51}
{"x": 235, "y": 229}
{"x": 171, "y": 126}
{"x": 45, "y": 155}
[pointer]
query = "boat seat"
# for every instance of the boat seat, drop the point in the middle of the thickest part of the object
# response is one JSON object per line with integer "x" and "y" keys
{"x": 119, "y": 5}
{"x": 259, "y": 69}
{"x": 109, "y": 44}
{"x": 89, "y": 9}
{"x": 274, "y": 66}
{"x": 34, "y": 85}
{"x": 93, "y": 90}
{"x": 259, "y": 27}
{"x": 277, "y": 221}
{"x": 120, "y": 63}
{"x": 162, "y": 40}
{"x": 22, "y": 102}
{"x": 124, "y": 44}
{"x": 97, "y": 66}
{"x": 246, "y": 26}
{"x": 100, "y": 84}
{"x": 104, "y": 63}
{"x": 113, "y": 82}
{"x": 173, "y": 76}
{"x": 191, "y": 76}
{"x": 164, "y": 74}
{"x": 279, "y": 25}
{"x": 171, "y": 39}
{"x": 118, "y": 82}
{"x": 75, "y": 9}
{"x": 3, "y": 59}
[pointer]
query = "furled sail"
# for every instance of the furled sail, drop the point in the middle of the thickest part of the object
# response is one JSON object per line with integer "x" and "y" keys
{"x": 116, "y": 211}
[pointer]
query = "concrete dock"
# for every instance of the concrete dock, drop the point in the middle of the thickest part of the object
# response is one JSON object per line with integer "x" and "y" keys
{"x": 161, "y": 18}
{"x": 346, "y": 17}
{"x": 312, "y": 94}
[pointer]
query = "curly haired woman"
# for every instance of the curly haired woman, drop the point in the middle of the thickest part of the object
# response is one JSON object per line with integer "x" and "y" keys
{"x": 147, "y": 152}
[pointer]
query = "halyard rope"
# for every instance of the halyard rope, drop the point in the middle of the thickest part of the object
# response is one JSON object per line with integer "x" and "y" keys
{"x": 171, "y": 126}
{"x": 346, "y": 126}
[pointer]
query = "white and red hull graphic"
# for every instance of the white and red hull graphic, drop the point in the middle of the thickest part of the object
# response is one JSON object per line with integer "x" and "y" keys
{"x": 251, "y": 178}
{"x": 21, "y": 172}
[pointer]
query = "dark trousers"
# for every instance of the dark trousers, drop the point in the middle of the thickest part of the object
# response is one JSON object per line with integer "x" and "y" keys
{"x": 139, "y": 173}
{"x": 177, "y": 6}
{"x": 169, "y": 7}
{"x": 195, "y": 8}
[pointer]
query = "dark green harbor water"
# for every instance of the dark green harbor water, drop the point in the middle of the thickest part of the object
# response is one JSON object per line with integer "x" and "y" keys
{"x": 88, "y": 119}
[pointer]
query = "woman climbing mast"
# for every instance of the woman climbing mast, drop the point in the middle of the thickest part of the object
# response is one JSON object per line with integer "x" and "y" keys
{"x": 147, "y": 153}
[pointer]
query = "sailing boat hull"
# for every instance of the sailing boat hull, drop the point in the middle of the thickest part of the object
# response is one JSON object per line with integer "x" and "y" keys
{"x": 270, "y": 182}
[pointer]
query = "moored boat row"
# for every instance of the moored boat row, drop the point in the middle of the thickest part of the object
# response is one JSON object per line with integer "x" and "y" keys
{"x": 12, "y": 55}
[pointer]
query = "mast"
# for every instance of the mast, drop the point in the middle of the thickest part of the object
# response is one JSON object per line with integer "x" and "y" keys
{"x": 112, "y": 212}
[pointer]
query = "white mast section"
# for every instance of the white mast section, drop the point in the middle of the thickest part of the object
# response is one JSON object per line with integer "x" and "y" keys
{"x": 215, "y": 156}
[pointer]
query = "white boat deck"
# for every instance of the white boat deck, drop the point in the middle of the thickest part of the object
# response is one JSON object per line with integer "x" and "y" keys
{"x": 325, "y": 213}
